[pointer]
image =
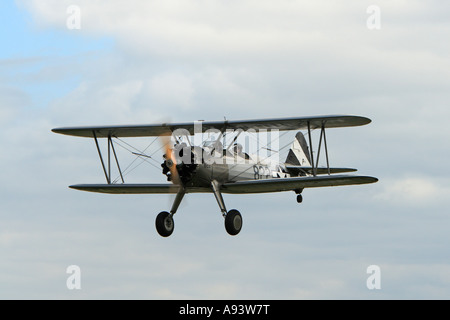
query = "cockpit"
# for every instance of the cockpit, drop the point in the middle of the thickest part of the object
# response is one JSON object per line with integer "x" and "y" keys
{"x": 238, "y": 151}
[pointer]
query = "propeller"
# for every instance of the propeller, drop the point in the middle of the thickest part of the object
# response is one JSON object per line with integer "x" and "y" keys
{"x": 179, "y": 165}
{"x": 170, "y": 161}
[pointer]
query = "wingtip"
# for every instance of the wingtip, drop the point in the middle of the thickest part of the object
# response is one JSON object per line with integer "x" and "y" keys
{"x": 372, "y": 179}
{"x": 365, "y": 120}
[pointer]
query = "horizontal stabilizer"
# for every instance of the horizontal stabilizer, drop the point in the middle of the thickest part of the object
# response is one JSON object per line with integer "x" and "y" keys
{"x": 297, "y": 170}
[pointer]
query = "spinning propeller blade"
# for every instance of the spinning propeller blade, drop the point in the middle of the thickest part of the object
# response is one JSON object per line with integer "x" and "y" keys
{"x": 170, "y": 159}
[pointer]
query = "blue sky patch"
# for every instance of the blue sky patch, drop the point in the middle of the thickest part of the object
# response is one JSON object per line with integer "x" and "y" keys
{"x": 38, "y": 60}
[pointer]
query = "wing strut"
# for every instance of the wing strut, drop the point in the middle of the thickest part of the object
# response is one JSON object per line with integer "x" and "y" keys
{"x": 110, "y": 146}
{"x": 117, "y": 161}
{"x": 324, "y": 138}
{"x": 314, "y": 171}
{"x": 326, "y": 148}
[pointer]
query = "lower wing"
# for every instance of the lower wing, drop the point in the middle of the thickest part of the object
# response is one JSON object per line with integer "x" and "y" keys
{"x": 163, "y": 188}
{"x": 251, "y": 186}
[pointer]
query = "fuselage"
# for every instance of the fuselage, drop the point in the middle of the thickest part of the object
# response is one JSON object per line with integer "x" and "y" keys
{"x": 203, "y": 166}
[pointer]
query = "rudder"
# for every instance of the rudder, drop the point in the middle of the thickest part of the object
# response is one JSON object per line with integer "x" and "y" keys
{"x": 299, "y": 153}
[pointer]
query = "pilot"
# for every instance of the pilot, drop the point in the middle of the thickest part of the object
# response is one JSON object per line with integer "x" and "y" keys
{"x": 237, "y": 148}
{"x": 217, "y": 147}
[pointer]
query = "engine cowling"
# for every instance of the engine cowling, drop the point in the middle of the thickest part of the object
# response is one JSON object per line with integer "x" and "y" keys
{"x": 185, "y": 163}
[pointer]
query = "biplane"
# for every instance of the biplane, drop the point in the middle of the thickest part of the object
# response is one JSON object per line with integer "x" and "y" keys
{"x": 217, "y": 168}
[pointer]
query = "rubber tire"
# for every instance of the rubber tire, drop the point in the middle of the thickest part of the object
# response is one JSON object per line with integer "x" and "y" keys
{"x": 164, "y": 224}
{"x": 233, "y": 222}
{"x": 299, "y": 198}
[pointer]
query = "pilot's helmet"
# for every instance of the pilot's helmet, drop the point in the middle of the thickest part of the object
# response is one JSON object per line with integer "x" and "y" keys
{"x": 218, "y": 146}
{"x": 237, "y": 148}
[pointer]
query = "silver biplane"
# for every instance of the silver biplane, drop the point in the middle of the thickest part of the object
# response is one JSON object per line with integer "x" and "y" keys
{"x": 217, "y": 168}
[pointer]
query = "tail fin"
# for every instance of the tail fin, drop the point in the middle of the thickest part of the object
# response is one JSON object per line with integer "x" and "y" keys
{"x": 299, "y": 153}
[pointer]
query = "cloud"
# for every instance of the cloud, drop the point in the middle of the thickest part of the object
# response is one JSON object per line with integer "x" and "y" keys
{"x": 93, "y": 102}
{"x": 317, "y": 57}
{"x": 173, "y": 90}
{"x": 233, "y": 29}
{"x": 414, "y": 190}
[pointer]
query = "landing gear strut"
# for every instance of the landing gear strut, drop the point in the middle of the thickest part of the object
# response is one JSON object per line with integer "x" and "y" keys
{"x": 164, "y": 221}
{"x": 233, "y": 218}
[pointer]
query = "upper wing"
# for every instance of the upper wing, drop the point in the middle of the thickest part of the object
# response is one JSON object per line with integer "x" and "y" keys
{"x": 288, "y": 184}
{"x": 202, "y": 126}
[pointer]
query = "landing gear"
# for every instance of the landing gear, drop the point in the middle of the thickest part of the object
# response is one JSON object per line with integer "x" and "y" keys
{"x": 299, "y": 195}
{"x": 233, "y": 222}
{"x": 164, "y": 221}
{"x": 233, "y": 219}
{"x": 164, "y": 224}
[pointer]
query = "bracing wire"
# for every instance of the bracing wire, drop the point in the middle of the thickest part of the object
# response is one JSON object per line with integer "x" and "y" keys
{"x": 127, "y": 170}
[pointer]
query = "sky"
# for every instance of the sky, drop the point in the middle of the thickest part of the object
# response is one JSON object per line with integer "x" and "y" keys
{"x": 157, "y": 61}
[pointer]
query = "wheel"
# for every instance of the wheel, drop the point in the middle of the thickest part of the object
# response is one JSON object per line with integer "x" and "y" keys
{"x": 299, "y": 198}
{"x": 164, "y": 224}
{"x": 233, "y": 222}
